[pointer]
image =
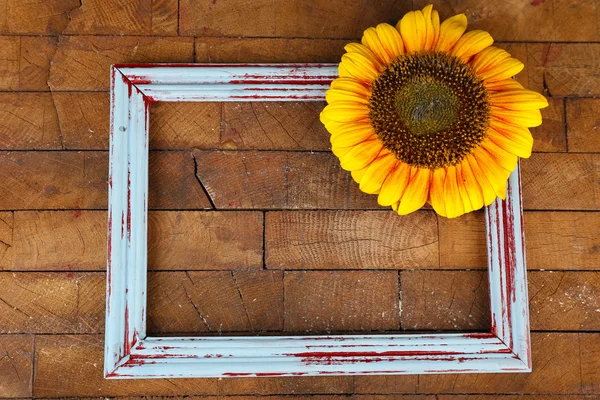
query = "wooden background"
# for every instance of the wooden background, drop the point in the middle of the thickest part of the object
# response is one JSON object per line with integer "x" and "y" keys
{"x": 294, "y": 246}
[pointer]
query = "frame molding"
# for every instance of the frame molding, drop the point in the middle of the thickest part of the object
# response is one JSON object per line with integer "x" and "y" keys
{"x": 129, "y": 353}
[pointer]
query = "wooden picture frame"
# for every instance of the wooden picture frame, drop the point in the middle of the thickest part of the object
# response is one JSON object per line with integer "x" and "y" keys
{"x": 129, "y": 353}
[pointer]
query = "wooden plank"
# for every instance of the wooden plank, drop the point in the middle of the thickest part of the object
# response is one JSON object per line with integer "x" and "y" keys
{"x": 57, "y": 240}
{"x": 535, "y": 21}
{"x": 554, "y": 240}
{"x": 70, "y": 180}
{"x": 83, "y": 119}
{"x": 350, "y": 240}
{"x": 551, "y": 135}
{"x": 37, "y": 180}
{"x": 52, "y": 302}
{"x": 508, "y": 397}
{"x": 459, "y": 300}
{"x": 76, "y": 240}
{"x": 275, "y": 180}
{"x": 29, "y": 122}
{"x": 295, "y": 386}
{"x": 562, "y": 300}
{"x": 16, "y": 359}
{"x": 269, "y": 50}
{"x": 68, "y": 358}
{"x": 274, "y": 126}
{"x": 83, "y": 62}
{"x": 185, "y": 125}
{"x": 561, "y": 182}
{"x": 330, "y": 301}
{"x": 10, "y": 46}
{"x": 34, "y": 62}
{"x": 563, "y": 363}
{"x": 215, "y": 302}
{"x": 36, "y": 18}
{"x": 583, "y": 125}
{"x": 560, "y": 69}
{"x": 317, "y": 19}
{"x": 173, "y": 184}
{"x": 124, "y": 17}
{"x": 201, "y": 240}
{"x": 445, "y": 300}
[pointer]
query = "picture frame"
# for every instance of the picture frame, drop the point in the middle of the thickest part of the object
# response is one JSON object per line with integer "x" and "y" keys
{"x": 130, "y": 353}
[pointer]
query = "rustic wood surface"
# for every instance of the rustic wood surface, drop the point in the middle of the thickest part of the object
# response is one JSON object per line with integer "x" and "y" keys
{"x": 293, "y": 245}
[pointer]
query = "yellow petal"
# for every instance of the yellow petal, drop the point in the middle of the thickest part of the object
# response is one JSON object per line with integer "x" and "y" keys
{"x": 526, "y": 118}
{"x": 454, "y": 205}
{"x": 366, "y": 53}
{"x": 430, "y": 37}
{"x": 377, "y": 172}
{"x": 487, "y": 190}
{"x": 414, "y": 32}
{"x": 505, "y": 69}
{"x": 488, "y": 58}
{"x": 520, "y": 143}
{"x": 417, "y": 191}
{"x": 351, "y": 134}
{"x": 361, "y": 155}
{"x": 471, "y": 186}
{"x": 334, "y": 95}
{"x": 345, "y": 111}
{"x": 394, "y": 185}
{"x": 340, "y": 151}
{"x": 359, "y": 67}
{"x": 358, "y": 174}
{"x": 391, "y": 40}
{"x": 505, "y": 159}
{"x": 495, "y": 174}
{"x": 450, "y": 32}
{"x": 371, "y": 40}
{"x": 436, "y": 191}
{"x": 504, "y": 84}
{"x": 466, "y": 202}
{"x": 351, "y": 85}
{"x": 471, "y": 43}
{"x": 518, "y": 99}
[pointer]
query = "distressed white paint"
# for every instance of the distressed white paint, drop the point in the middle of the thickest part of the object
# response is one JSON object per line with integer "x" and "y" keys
{"x": 130, "y": 354}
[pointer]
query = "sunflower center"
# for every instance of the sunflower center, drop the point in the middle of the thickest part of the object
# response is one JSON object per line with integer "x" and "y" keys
{"x": 429, "y": 109}
{"x": 426, "y": 106}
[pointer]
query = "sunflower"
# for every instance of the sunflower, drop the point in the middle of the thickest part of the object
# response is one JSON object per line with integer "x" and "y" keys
{"x": 424, "y": 112}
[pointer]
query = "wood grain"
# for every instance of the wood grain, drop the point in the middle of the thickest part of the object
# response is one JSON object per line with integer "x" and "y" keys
{"x": 563, "y": 363}
{"x": 274, "y": 126}
{"x": 583, "y": 125}
{"x": 269, "y": 50}
{"x": 529, "y": 21}
{"x": 459, "y": 300}
{"x": 185, "y": 125}
{"x": 551, "y": 136}
{"x": 124, "y": 17}
{"x": 35, "y": 59}
{"x": 83, "y": 119}
{"x": 294, "y": 18}
{"x": 38, "y": 18}
{"x": 215, "y": 302}
{"x": 200, "y": 240}
{"x": 276, "y": 180}
{"x": 561, "y": 182}
{"x": 10, "y": 46}
{"x": 560, "y": 69}
{"x": 445, "y": 300}
{"x": 555, "y": 241}
{"x": 83, "y": 62}
{"x": 52, "y": 302}
{"x": 68, "y": 358}
{"x": 29, "y": 122}
{"x": 319, "y": 301}
{"x": 16, "y": 359}
{"x": 350, "y": 240}
{"x": 295, "y": 386}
